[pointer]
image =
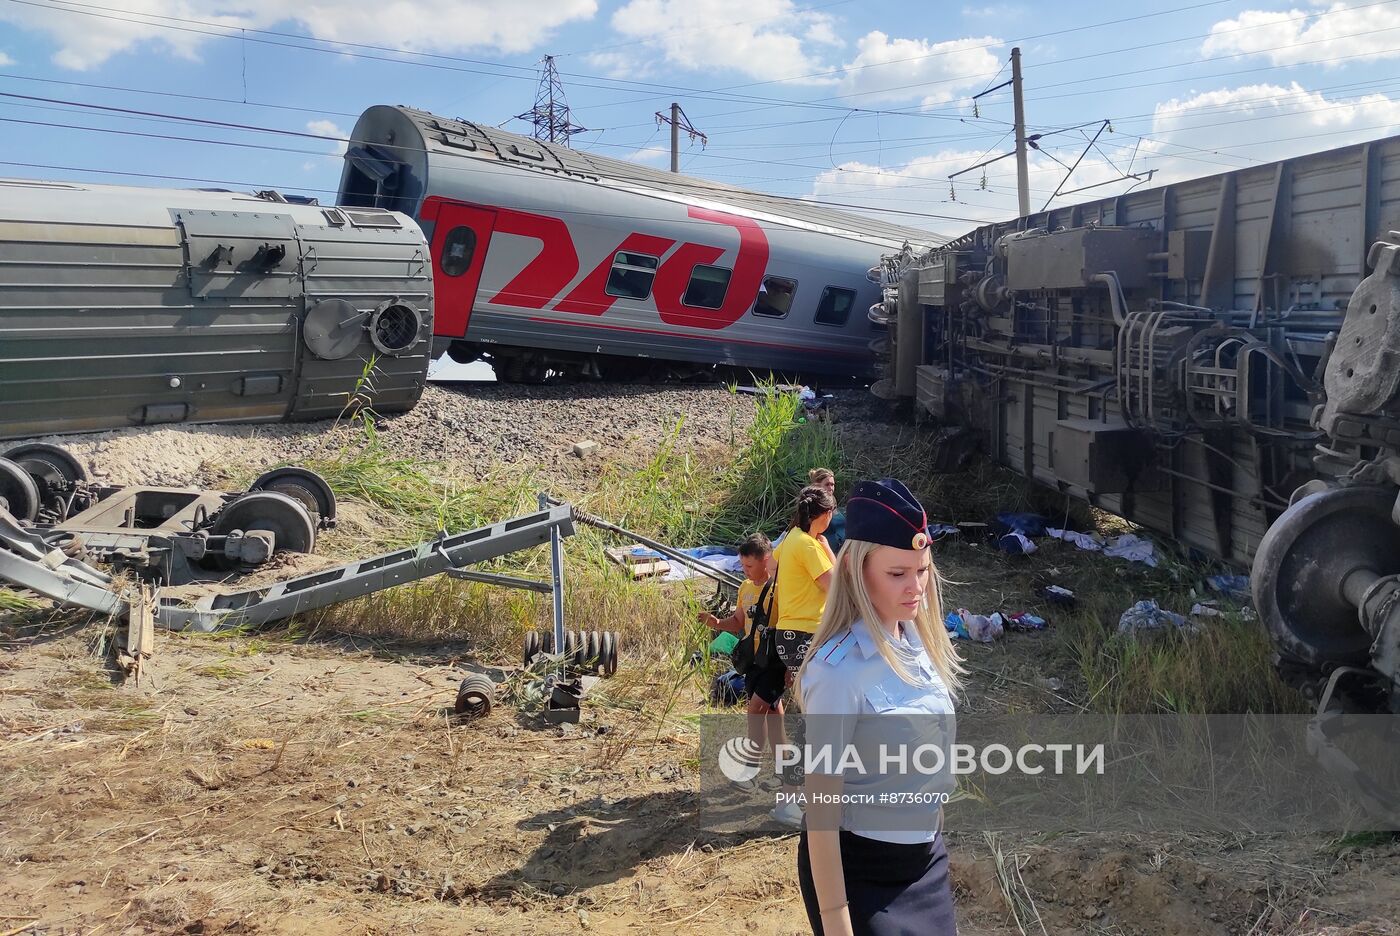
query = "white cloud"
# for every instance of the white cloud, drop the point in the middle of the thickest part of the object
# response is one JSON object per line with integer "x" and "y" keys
{"x": 762, "y": 39}
{"x": 887, "y": 69}
{"x": 922, "y": 186}
{"x": 1196, "y": 135}
{"x": 650, "y": 154}
{"x": 5, "y": 60}
{"x": 1290, "y": 36}
{"x": 328, "y": 128}
{"x": 771, "y": 40}
{"x": 822, "y": 31}
{"x": 1260, "y": 123}
{"x": 86, "y": 41}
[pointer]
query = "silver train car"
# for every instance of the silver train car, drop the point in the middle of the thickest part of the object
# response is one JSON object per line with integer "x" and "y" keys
{"x": 551, "y": 260}
{"x": 134, "y": 306}
{"x": 1217, "y": 360}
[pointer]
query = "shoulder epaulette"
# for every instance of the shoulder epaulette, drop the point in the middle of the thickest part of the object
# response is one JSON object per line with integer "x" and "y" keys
{"x": 834, "y": 651}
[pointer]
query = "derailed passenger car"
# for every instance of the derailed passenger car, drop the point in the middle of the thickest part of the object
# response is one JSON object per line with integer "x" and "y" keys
{"x": 1210, "y": 359}
{"x": 554, "y": 260}
{"x": 132, "y": 306}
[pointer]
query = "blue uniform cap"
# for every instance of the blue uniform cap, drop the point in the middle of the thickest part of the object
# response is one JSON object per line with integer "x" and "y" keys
{"x": 886, "y": 513}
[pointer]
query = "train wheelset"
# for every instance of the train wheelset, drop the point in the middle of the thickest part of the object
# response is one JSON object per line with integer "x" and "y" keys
{"x": 583, "y": 651}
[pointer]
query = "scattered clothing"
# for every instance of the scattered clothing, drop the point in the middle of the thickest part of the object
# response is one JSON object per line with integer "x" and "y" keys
{"x": 1208, "y": 609}
{"x": 977, "y": 627}
{"x": 1133, "y": 548}
{"x": 936, "y": 531}
{"x": 1057, "y": 594}
{"x": 723, "y": 558}
{"x": 963, "y": 625}
{"x": 1128, "y": 546}
{"x": 1026, "y": 524}
{"x": 1016, "y": 544}
{"x": 1231, "y": 586}
{"x": 1147, "y": 615}
{"x": 1025, "y": 621}
{"x": 727, "y": 689}
{"x": 1084, "y": 541}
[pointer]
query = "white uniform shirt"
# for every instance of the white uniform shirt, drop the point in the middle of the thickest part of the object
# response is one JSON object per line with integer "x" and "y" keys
{"x": 852, "y": 698}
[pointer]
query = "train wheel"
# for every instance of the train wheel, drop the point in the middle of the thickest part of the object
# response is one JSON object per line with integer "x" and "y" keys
{"x": 58, "y": 464}
{"x": 18, "y": 492}
{"x": 590, "y": 657}
{"x": 303, "y": 486}
{"x": 611, "y": 644}
{"x": 532, "y": 646}
{"x": 1303, "y": 562}
{"x": 284, "y": 517}
{"x": 475, "y": 697}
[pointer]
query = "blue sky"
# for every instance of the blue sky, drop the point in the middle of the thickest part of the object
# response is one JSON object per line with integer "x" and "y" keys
{"x": 857, "y": 102}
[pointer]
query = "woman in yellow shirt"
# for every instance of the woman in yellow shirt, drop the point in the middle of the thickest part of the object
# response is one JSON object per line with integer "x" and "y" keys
{"x": 804, "y": 573}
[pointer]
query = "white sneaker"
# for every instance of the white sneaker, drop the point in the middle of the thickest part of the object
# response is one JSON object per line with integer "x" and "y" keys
{"x": 755, "y": 785}
{"x": 788, "y": 814}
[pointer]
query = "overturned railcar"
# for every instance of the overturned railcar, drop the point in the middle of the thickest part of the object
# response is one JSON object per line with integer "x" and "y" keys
{"x": 553, "y": 260}
{"x": 133, "y": 306}
{"x": 1197, "y": 358}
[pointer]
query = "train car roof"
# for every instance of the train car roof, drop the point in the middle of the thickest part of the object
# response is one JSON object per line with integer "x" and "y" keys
{"x": 459, "y": 138}
{"x": 86, "y": 203}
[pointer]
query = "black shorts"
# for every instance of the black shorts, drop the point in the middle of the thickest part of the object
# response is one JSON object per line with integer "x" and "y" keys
{"x": 767, "y": 684}
{"x": 792, "y": 647}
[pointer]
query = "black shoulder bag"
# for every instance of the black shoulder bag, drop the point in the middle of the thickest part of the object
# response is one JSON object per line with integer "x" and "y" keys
{"x": 756, "y": 648}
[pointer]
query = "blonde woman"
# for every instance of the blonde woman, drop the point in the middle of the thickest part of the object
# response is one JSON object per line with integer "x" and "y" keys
{"x": 879, "y": 655}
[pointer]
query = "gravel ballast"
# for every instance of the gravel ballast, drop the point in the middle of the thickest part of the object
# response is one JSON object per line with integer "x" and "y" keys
{"x": 477, "y": 428}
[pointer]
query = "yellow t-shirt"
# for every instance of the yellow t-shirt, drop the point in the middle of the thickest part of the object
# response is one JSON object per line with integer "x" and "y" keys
{"x": 749, "y": 593}
{"x": 748, "y": 597}
{"x": 802, "y": 559}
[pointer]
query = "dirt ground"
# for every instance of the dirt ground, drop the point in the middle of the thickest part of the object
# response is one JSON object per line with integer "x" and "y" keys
{"x": 272, "y": 784}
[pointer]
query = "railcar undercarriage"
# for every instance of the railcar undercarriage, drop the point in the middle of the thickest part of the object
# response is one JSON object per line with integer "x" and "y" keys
{"x": 1217, "y": 360}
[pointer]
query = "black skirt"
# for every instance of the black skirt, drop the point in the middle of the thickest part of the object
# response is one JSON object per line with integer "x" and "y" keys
{"x": 893, "y": 889}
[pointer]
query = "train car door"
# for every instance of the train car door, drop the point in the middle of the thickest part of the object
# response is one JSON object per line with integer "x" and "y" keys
{"x": 461, "y": 234}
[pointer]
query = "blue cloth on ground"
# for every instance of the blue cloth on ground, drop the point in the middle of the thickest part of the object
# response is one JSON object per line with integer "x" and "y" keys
{"x": 1234, "y": 586}
{"x": 1027, "y": 524}
{"x": 723, "y": 558}
{"x": 1016, "y": 544}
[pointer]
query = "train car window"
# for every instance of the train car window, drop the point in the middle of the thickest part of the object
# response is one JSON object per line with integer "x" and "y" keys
{"x": 457, "y": 250}
{"x": 775, "y": 297}
{"x": 835, "y": 306}
{"x": 631, "y": 276}
{"x": 708, "y": 284}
